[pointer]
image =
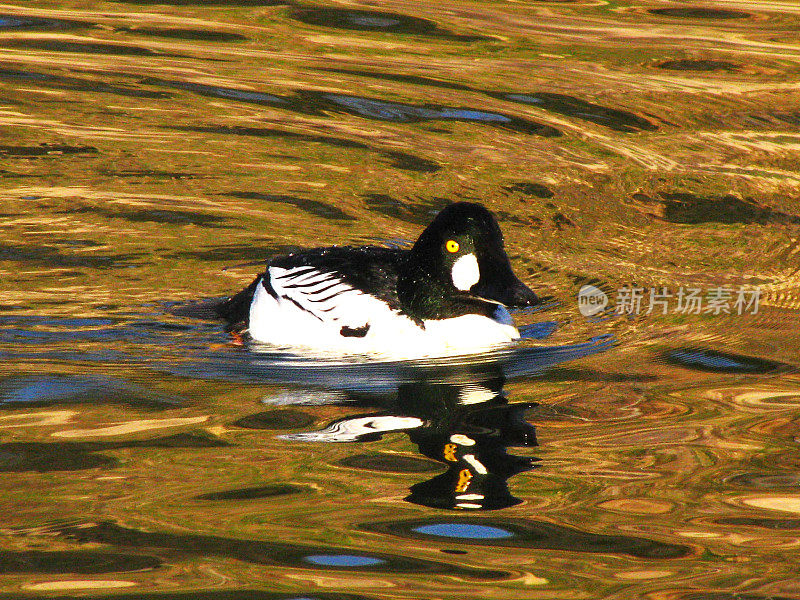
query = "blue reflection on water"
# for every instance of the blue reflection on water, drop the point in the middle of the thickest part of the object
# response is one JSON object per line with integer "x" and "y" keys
{"x": 464, "y": 531}
{"x": 343, "y": 560}
{"x": 472, "y": 115}
{"x": 393, "y": 111}
{"x": 46, "y": 388}
{"x": 538, "y": 331}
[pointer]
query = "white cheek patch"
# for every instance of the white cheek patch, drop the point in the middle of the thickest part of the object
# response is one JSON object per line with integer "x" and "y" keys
{"x": 466, "y": 272}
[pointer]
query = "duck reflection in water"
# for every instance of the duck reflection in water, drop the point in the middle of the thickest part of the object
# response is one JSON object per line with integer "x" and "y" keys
{"x": 466, "y": 426}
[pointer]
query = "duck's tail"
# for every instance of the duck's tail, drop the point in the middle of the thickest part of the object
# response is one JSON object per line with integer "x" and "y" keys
{"x": 234, "y": 310}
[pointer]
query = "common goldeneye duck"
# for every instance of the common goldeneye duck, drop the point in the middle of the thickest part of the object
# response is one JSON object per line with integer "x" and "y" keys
{"x": 447, "y": 295}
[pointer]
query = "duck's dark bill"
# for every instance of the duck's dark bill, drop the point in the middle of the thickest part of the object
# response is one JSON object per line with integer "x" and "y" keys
{"x": 507, "y": 290}
{"x": 521, "y": 295}
{"x": 498, "y": 281}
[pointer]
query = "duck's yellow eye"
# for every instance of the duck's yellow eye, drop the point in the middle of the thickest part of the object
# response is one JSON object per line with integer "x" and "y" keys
{"x": 452, "y": 246}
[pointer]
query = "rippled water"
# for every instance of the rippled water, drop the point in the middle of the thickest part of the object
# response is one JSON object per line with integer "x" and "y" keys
{"x": 150, "y": 148}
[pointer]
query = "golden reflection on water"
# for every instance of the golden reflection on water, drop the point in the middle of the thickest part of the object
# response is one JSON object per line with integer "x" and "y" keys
{"x": 147, "y": 145}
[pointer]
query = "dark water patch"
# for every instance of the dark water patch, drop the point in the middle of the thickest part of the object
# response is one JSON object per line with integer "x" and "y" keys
{"x": 31, "y": 332}
{"x": 522, "y": 533}
{"x": 55, "y": 45}
{"x": 55, "y": 322}
{"x": 52, "y": 390}
{"x": 385, "y": 205}
{"x": 561, "y": 221}
{"x": 78, "y": 243}
{"x": 419, "y": 214}
{"x": 18, "y": 22}
{"x": 266, "y": 132}
{"x": 397, "y": 112}
{"x": 698, "y": 65}
{"x": 45, "y": 150}
{"x": 282, "y": 418}
{"x": 236, "y": 253}
{"x": 401, "y": 78}
{"x": 178, "y": 440}
{"x": 374, "y": 20}
{"x": 52, "y": 257}
{"x": 529, "y": 188}
{"x": 79, "y": 84}
{"x": 572, "y": 374}
{"x": 265, "y": 552}
{"x": 410, "y": 162}
{"x": 312, "y": 207}
{"x": 785, "y": 481}
{"x": 793, "y": 118}
{"x": 253, "y": 493}
{"x": 12, "y": 175}
{"x": 150, "y": 174}
{"x": 42, "y": 457}
{"x": 248, "y": 96}
{"x": 730, "y": 596}
{"x": 49, "y": 458}
{"x": 702, "y": 359}
{"x": 397, "y": 158}
{"x": 74, "y": 561}
{"x": 389, "y": 463}
{"x": 154, "y": 215}
{"x": 204, "y": 35}
{"x": 697, "y": 12}
{"x": 209, "y": 3}
{"x": 205, "y": 595}
{"x": 690, "y": 209}
{"x": 323, "y": 103}
{"x": 762, "y": 522}
{"x": 618, "y": 120}
{"x": 158, "y": 326}
{"x": 507, "y": 217}
{"x": 365, "y": 20}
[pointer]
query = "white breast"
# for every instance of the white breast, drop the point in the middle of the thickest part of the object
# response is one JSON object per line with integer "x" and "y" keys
{"x": 311, "y": 307}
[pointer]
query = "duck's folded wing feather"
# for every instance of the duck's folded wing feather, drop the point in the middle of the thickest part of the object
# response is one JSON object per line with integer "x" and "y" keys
{"x": 314, "y": 279}
{"x": 322, "y": 294}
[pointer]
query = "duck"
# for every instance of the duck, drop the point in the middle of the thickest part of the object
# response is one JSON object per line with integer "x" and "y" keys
{"x": 449, "y": 294}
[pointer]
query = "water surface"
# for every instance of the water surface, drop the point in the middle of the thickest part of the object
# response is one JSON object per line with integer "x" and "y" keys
{"x": 152, "y": 150}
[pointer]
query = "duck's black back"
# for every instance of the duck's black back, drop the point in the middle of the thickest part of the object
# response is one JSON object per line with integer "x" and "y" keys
{"x": 371, "y": 269}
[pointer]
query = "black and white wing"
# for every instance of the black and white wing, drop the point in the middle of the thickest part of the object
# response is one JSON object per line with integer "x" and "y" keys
{"x": 337, "y": 285}
{"x": 322, "y": 294}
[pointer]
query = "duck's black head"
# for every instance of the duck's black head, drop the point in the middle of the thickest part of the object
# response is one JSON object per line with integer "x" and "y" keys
{"x": 461, "y": 253}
